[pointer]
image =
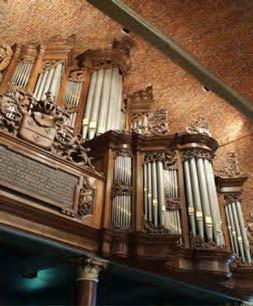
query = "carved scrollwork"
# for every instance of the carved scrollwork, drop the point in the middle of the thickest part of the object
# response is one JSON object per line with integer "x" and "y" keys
{"x": 232, "y": 197}
{"x": 168, "y": 159}
{"x": 139, "y": 100}
{"x": 199, "y": 126}
{"x": 157, "y": 123}
{"x": 85, "y": 205}
{"x": 123, "y": 152}
{"x": 119, "y": 189}
{"x": 150, "y": 228}
{"x": 197, "y": 153}
{"x": 198, "y": 243}
{"x": 77, "y": 75}
{"x": 10, "y": 114}
{"x": 232, "y": 167}
{"x": 5, "y": 56}
{"x": 42, "y": 123}
{"x": 172, "y": 203}
{"x": 71, "y": 147}
{"x": 47, "y": 65}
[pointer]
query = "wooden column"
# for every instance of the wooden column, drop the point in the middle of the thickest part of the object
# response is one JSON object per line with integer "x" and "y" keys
{"x": 36, "y": 70}
{"x": 87, "y": 281}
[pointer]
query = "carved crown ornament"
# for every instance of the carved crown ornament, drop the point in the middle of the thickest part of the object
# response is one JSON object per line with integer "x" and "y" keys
{"x": 43, "y": 124}
{"x": 116, "y": 56}
{"x": 232, "y": 167}
{"x": 199, "y": 126}
{"x": 151, "y": 123}
{"x": 5, "y": 56}
{"x": 140, "y": 101}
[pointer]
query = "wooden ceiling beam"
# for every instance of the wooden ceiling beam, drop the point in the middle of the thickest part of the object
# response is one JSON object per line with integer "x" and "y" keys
{"x": 121, "y": 13}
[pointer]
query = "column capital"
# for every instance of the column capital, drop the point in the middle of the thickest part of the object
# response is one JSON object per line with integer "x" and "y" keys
{"x": 91, "y": 268}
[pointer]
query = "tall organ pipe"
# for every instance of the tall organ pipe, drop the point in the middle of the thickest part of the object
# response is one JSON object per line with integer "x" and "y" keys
{"x": 161, "y": 198}
{"x": 238, "y": 230}
{"x": 96, "y": 104}
{"x": 154, "y": 190}
{"x": 196, "y": 197}
{"x": 88, "y": 107}
{"x": 113, "y": 95}
{"x": 104, "y": 101}
{"x": 215, "y": 203}
{"x": 243, "y": 232}
{"x": 189, "y": 196}
{"x": 149, "y": 193}
{"x": 205, "y": 199}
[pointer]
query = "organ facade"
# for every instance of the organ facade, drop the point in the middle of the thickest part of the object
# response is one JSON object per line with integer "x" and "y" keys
{"x": 99, "y": 167}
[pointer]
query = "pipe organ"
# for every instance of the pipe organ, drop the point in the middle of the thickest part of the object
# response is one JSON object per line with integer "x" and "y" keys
{"x": 145, "y": 193}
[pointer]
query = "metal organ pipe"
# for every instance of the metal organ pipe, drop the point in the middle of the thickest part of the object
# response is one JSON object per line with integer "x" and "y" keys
{"x": 243, "y": 232}
{"x": 104, "y": 101}
{"x": 196, "y": 197}
{"x": 189, "y": 197}
{"x": 88, "y": 107}
{"x": 237, "y": 231}
{"x": 214, "y": 206}
{"x": 154, "y": 189}
{"x": 215, "y": 202}
{"x": 22, "y": 73}
{"x": 161, "y": 197}
{"x": 205, "y": 200}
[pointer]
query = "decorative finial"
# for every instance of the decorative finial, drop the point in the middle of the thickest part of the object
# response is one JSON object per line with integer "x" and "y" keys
{"x": 232, "y": 167}
{"x": 200, "y": 126}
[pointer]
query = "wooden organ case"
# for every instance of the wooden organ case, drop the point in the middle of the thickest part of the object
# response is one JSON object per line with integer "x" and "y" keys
{"x": 85, "y": 163}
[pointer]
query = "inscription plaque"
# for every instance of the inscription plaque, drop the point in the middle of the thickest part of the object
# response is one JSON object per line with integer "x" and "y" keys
{"x": 37, "y": 180}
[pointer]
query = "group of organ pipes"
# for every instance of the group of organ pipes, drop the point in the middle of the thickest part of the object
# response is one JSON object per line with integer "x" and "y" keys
{"x": 174, "y": 184}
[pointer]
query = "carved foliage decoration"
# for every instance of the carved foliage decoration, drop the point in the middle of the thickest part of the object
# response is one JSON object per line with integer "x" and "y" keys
{"x": 150, "y": 228}
{"x": 168, "y": 158}
{"x": 172, "y": 203}
{"x": 42, "y": 123}
{"x": 158, "y": 123}
{"x": 10, "y": 113}
{"x": 71, "y": 147}
{"x": 5, "y": 56}
{"x": 140, "y": 99}
{"x": 152, "y": 123}
{"x": 200, "y": 126}
{"x": 198, "y": 243}
{"x": 118, "y": 189}
{"x": 85, "y": 206}
{"x": 77, "y": 75}
{"x": 47, "y": 65}
{"x": 198, "y": 153}
{"x": 232, "y": 167}
{"x": 232, "y": 197}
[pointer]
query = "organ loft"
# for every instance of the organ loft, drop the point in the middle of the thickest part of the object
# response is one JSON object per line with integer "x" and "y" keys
{"x": 98, "y": 187}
